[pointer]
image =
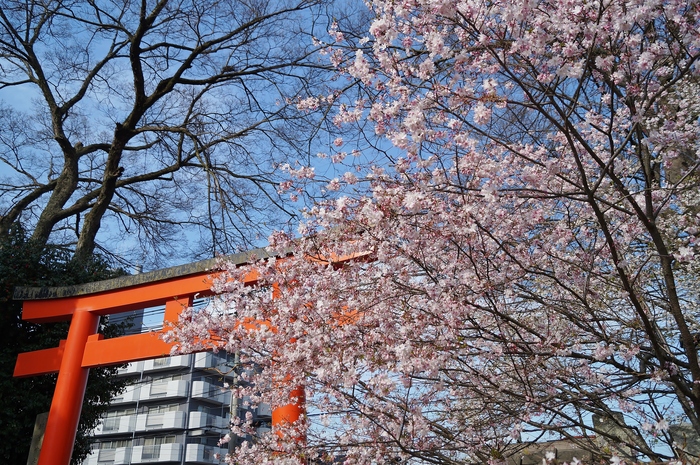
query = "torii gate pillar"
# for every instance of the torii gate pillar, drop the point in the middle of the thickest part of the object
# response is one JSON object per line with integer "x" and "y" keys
{"x": 64, "y": 415}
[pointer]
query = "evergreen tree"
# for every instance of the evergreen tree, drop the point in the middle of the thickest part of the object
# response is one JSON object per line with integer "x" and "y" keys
{"x": 22, "y": 263}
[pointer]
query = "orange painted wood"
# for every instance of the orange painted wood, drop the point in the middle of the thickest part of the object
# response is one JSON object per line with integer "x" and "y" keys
{"x": 64, "y": 415}
{"x": 290, "y": 413}
{"x": 39, "y": 362}
{"x": 117, "y": 300}
{"x": 134, "y": 347}
{"x": 124, "y": 349}
{"x": 173, "y": 308}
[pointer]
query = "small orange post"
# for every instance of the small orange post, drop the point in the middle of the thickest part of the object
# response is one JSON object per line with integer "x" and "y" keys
{"x": 292, "y": 412}
{"x": 67, "y": 402}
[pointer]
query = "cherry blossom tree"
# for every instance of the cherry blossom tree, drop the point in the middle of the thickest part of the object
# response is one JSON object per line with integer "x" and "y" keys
{"x": 523, "y": 268}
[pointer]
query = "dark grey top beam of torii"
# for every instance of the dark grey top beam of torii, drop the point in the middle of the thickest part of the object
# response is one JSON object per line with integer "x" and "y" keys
{"x": 200, "y": 267}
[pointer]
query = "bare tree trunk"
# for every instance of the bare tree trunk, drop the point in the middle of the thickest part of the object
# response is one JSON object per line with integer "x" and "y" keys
{"x": 93, "y": 220}
{"x": 65, "y": 187}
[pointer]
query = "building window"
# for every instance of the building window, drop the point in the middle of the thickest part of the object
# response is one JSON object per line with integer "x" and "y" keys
{"x": 111, "y": 420}
{"x": 106, "y": 456}
{"x": 161, "y": 362}
{"x": 120, "y": 412}
{"x": 159, "y": 389}
{"x": 151, "y": 446}
{"x": 110, "y": 424}
{"x": 163, "y": 408}
{"x": 114, "y": 444}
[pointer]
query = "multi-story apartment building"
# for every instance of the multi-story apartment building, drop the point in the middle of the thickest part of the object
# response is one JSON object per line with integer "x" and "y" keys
{"x": 174, "y": 411}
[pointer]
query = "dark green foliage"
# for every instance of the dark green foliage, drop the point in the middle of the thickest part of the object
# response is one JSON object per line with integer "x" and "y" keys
{"x": 22, "y": 264}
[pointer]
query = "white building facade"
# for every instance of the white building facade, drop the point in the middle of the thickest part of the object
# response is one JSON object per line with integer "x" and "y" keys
{"x": 174, "y": 411}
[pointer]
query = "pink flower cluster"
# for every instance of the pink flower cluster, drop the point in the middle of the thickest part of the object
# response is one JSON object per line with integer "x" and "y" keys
{"x": 527, "y": 264}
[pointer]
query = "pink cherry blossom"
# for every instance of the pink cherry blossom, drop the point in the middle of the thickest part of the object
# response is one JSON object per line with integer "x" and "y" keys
{"x": 523, "y": 266}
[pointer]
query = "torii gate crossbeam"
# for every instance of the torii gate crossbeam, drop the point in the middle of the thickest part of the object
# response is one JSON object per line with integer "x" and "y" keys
{"x": 84, "y": 348}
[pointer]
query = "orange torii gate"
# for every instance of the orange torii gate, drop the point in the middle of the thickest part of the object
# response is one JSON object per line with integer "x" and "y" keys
{"x": 84, "y": 348}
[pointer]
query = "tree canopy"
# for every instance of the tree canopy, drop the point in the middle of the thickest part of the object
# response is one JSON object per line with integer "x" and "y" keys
{"x": 158, "y": 123}
{"x": 21, "y": 400}
{"x": 526, "y": 259}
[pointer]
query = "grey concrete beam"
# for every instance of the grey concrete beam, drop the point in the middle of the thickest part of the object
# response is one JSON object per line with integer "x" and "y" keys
{"x": 200, "y": 267}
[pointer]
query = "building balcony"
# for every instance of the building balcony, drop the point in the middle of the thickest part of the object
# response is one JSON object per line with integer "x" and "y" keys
{"x": 166, "y": 363}
{"x": 160, "y": 421}
{"x": 130, "y": 394}
{"x": 209, "y": 361}
{"x": 156, "y": 453}
{"x": 199, "y": 453}
{"x": 118, "y": 456}
{"x": 164, "y": 390}
{"x": 132, "y": 368}
{"x": 261, "y": 410}
{"x": 195, "y": 453}
{"x": 201, "y": 420}
{"x": 212, "y": 393}
{"x": 116, "y": 425}
{"x": 264, "y": 410}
